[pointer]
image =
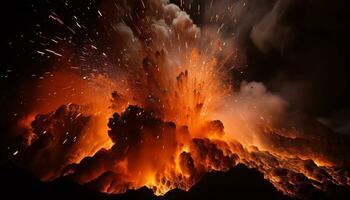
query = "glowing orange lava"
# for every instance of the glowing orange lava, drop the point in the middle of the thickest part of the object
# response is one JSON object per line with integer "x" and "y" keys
{"x": 170, "y": 117}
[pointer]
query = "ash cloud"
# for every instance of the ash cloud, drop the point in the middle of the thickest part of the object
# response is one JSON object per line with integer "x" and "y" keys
{"x": 55, "y": 140}
{"x": 296, "y": 48}
{"x": 146, "y": 144}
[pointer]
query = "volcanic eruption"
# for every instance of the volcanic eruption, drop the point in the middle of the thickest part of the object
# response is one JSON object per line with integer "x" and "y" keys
{"x": 159, "y": 109}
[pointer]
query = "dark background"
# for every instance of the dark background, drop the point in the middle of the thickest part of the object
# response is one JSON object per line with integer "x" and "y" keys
{"x": 310, "y": 71}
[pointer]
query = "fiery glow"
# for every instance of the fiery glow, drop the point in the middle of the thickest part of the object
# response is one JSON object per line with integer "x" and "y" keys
{"x": 165, "y": 115}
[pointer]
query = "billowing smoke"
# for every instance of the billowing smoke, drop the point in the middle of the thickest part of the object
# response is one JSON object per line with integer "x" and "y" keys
{"x": 295, "y": 48}
{"x": 172, "y": 114}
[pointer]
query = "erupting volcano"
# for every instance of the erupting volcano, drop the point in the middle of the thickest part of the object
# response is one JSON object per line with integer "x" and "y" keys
{"x": 150, "y": 100}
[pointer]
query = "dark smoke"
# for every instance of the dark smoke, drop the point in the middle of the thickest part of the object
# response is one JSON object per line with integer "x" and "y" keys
{"x": 53, "y": 141}
{"x": 136, "y": 133}
{"x": 296, "y": 48}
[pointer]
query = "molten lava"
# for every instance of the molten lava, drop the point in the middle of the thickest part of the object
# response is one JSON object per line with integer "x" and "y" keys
{"x": 167, "y": 115}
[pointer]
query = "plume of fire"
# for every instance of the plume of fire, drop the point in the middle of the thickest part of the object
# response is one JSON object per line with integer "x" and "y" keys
{"x": 172, "y": 117}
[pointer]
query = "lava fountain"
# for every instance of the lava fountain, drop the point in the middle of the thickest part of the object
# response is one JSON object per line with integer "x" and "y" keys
{"x": 164, "y": 114}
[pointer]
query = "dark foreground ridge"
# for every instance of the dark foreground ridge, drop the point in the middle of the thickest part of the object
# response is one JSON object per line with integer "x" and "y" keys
{"x": 238, "y": 183}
